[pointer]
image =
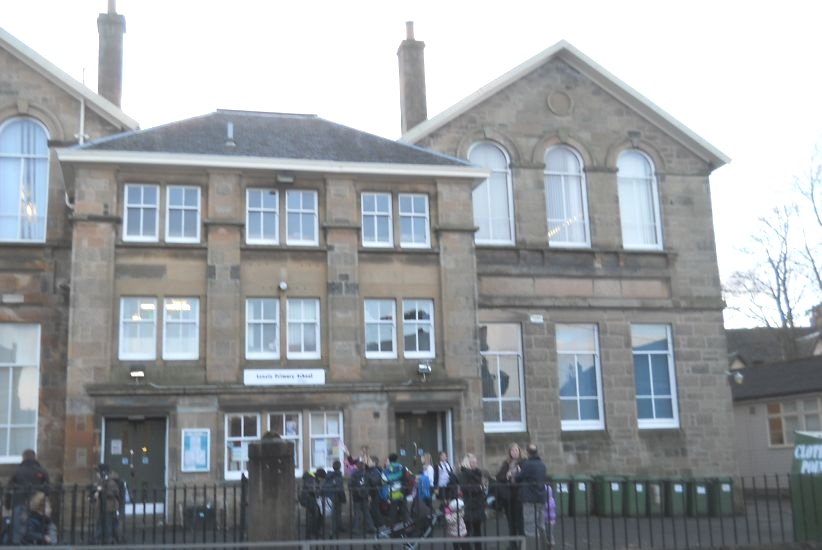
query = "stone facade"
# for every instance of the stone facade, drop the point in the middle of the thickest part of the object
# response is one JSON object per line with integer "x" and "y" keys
{"x": 35, "y": 282}
{"x": 537, "y": 286}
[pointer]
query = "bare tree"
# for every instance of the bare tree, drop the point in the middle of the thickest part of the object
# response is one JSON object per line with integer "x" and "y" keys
{"x": 769, "y": 292}
{"x": 810, "y": 188}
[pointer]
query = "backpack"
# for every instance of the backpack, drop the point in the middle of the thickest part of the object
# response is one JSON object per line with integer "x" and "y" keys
{"x": 409, "y": 481}
{"x": 424, "y": 488}
{"x": 308, "y": 491}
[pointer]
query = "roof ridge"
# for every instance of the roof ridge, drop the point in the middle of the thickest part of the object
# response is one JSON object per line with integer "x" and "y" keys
{"x": 244, "y": 112}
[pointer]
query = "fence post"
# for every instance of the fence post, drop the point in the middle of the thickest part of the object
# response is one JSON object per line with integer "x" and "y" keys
{"x": 271, "y": 490}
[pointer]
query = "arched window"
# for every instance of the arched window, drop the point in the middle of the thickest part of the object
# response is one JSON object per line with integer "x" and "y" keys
{"x": 566, "y": 199}
{"x": 24, "y": 177}
{"x": 493, "y": 201}
{"x": 638, "y": 202}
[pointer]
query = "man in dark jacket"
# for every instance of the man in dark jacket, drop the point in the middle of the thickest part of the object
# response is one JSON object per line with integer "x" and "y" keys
{"x": 531, "y": 480}
{"x": 27, "y": 479}
{"x": 309, "y": 491}
{"x": 363, "y": 522}
{"x": 334, "y": 489}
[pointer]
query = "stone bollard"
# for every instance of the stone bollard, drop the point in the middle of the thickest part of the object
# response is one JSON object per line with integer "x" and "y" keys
{"x": 271, "y": 490}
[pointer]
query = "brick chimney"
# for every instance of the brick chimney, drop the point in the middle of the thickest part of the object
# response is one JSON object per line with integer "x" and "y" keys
{"x": 412, "y": 80}
{"x": 111, "y": 26}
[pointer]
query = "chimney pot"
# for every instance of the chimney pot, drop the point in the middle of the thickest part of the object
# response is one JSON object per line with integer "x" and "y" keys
{"x": 409, "y": 30}
{"x": 112, "y": 6}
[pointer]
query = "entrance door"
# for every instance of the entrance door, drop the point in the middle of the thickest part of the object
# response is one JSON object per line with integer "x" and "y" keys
{"x": 420, "y": 433}
{"x": 136, "y": 450}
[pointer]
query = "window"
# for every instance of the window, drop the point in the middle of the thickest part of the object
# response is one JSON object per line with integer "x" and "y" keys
{"x": 301, "y": 217}
{"x": 19, "y": 389}
{"x": 638, "y": 202}
{"x": 326, "y": 439}
{"x": 24, "y": 180}
{"x": 138, "y": 328}
{"x": 376, "y": 219}
{"x": 141, "y": 212}
{"x": 240, "y": 429}
{"x": 502, "y": 379}
{"x": 182, "y": 214}
{"x": 418, "y": 328}
{"x": 262, "y": 216}
{"x": 785, "y": 418}
{"x": 289, "y": 426}
{"x": 303, "y": 328}
{"x": 565, "y": 197}
{"x": 262, "y": 328}
{"x": 580, "y": 387}
{"x": 654, "y": 376}
{"x": 380, "y": 329}
{"x": 493, "y": 201}
{"x": 181, "y": 328}
{"x": 414, "y": 225}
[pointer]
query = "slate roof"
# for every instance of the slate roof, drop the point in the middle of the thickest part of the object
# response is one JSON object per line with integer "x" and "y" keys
{"x": 761, "y": 344}
{"x": 270, "y": 135}
{"x": 801, "y": 376}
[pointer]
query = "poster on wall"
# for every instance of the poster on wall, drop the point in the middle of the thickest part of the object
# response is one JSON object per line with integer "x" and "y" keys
{"x": 196, "y": 445}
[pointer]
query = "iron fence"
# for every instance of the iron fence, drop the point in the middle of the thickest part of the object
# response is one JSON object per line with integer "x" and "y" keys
{"x": 591, "y": 513}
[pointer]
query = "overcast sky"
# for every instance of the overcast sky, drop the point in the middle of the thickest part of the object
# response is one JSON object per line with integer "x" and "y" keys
{"x": 743, "y": 75}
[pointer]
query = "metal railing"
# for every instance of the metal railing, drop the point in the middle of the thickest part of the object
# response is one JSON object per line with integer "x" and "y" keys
{"x": 163, "y": 515}
{"x": 590, "y": 514}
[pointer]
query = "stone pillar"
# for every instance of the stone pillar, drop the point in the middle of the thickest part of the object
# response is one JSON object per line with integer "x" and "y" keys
{"x": 223, "y": 300}
{"x": 413, "y": 106}
{"x": 271, "y": 491}
{"x": 110, "y": 26}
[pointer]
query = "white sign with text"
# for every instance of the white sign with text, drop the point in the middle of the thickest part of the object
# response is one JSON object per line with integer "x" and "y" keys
{"x": 283, "y": 377}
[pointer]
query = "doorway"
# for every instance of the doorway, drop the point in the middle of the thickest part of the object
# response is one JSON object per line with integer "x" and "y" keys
{"x": 135, "y": 448}
{"x": 419, "y": 433}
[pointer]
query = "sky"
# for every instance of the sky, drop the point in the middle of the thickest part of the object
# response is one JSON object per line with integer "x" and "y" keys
{"x": 744, "y": 75}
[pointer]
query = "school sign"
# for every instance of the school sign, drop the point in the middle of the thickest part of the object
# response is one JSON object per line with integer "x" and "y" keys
{"x": 806, "y": 486}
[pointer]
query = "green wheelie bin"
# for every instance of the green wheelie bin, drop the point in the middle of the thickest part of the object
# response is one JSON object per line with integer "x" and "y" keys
{"x": 698, "y": 502}
{"x": 562, "y": 494}
{"x": 722, "y": 496}
{"x": 675, "y": 497}
{"x": 609, "y": 495}
{"x": 582, "y": 495}
{"x": 636, "y": 496}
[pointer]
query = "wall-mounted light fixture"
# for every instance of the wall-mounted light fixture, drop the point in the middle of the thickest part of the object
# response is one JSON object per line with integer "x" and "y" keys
{"x": 137, "y": 373}
{"x": 283, "y": 286}
{"x": 285, "y": 177}
{"x": 736, "y": 376}
{"x": 424, "y": 370}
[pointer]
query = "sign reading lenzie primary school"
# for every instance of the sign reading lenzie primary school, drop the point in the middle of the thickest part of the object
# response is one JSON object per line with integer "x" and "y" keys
{"x": 283, "y": 377}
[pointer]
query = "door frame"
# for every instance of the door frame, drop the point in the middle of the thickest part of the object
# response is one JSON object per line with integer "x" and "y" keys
{"x": 445, "y": 416}
{"x": 149, "y": 508}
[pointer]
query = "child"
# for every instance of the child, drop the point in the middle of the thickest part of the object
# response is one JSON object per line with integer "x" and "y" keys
{"x": 455, "y": 521}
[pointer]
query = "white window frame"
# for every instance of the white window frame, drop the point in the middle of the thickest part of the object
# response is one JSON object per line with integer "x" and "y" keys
{"x": 413, "y": 215}
{"x": 379, "y": 324}
{"x": 6, "y": 399}
{"x": 656, "y": 423}
{"x": 303, "y": 324}
{"x": 141, "y": 206}
{"x": 583, "y": 425}
{"x": 302, "y": 211}
{"x": 416, "y": 322}
{"x": 492, "y": 358}
{"x": 297, "y": 439}
{"x": 186, "y": 211}
{"x": 145, "y": 303}
{"x": 484, "y": 187}
{"x": 567, "y": 179}
{"x": 262, "y": 211}
{"x": 179, "y": 303}
{"x": 371, "y": 217}
{"x": 243, "y": 440}
{"x": 326, "y": 435}
{"x": 28, "y": 205}
{"x": 253, "y": 323}
{"x": 628, "y": 198}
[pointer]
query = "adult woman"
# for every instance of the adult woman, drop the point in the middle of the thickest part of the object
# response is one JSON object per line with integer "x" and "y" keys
{"x": 506, "y": 490}
{"x": 473, "y": 494}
